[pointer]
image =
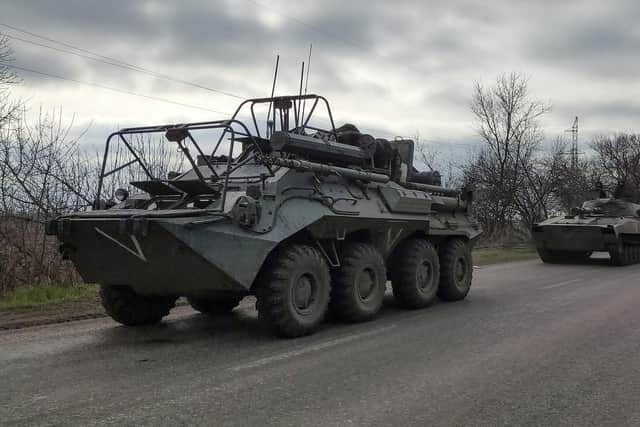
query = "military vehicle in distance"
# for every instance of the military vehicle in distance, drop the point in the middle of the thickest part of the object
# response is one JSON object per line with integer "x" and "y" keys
{"x": 306, "y": 218}
{"x": 607, "y": 224}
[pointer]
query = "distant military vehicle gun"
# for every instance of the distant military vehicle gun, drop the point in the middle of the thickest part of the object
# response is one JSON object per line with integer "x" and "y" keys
{"x": 307, "y": 218}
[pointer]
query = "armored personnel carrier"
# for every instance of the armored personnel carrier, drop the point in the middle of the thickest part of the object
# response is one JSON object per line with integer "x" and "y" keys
{"x": 608, "y": 224}
{"x": 307, "y": 218}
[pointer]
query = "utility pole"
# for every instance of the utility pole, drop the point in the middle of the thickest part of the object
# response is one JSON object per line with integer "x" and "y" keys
{"x": 574, "y": 145}
{"x": 573, "y": 162}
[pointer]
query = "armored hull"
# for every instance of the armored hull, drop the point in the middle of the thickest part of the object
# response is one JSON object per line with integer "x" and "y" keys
{"x": 605, "y": 225}
{"x": 297, "y": 230}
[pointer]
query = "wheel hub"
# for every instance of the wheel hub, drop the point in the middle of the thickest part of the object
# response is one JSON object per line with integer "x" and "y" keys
{"x": 424, "y": 275}
{"x": 366, "y": 283}
{"x": 304, "y": 293}
{"x": 460, "y": 270}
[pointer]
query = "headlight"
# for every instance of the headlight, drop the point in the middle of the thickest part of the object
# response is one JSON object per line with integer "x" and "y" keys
{"x": 121, "y": 194}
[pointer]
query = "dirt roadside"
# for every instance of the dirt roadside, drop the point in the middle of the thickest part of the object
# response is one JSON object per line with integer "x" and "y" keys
{"x": 87, "y": 308}
{"x": 18, "y": 318}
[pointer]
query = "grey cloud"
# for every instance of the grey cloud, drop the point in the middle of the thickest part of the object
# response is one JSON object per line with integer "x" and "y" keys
{"x": 600, "y": 47}
{"x": 606, "y": 109}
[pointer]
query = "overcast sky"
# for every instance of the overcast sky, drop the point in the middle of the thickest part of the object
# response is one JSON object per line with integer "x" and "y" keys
{"x": 398, "y": 67}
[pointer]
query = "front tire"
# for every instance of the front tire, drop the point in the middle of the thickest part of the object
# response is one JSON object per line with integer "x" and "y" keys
{"x": 293, "y": 291}
{"x": 126, "y": 306}
{"x": 415, "y": 274}
{"x": 357, "y": 291}
{"x": 456, "y": 270}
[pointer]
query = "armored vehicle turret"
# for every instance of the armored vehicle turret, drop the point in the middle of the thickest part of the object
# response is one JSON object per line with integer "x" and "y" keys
{"x": 603, "y": 224}
{"x": 305, "y": 216}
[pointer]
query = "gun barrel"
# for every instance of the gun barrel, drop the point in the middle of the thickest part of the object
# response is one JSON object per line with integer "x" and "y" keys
{"x": 303, "y": 165}
{"x": 450, "y": 192}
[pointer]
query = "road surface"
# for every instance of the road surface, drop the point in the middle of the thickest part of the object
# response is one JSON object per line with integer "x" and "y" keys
{"x": 533, "y": 344}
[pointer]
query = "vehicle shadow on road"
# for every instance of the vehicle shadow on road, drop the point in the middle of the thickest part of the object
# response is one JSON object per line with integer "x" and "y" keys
{"x": 242, "y": 328}
{"x": 596, "y": 261}
{"x": 236, "y": 326}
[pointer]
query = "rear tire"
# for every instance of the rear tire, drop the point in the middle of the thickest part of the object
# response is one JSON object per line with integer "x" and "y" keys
{"x": 456, "y": 270}
{"x": 357, "y": 290}
{"x": 215, "y": 305}
{"x": 293, "y": 291}
{"x": 132, "y": 309}
{"x": 415, "y": 274}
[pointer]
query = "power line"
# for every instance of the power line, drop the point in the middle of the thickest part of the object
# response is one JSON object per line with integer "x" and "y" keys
{"x": 132, "y": 67}
{"x": 108, "y": 60}
{"x": 113, "y": 89}
{"x": 155, "y": 98}
{"x": 70, "y": 52}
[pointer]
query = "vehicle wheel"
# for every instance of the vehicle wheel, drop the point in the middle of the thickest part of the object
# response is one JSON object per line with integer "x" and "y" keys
{"x": 215, "y": 305}
{"x": 358, "y": 285}
{"x": 129, "y": 308}
{"x": 456, "y": 270}
{"x": 415, "y": 273}
{"x": 293, "y": 291}
{"x": 562, "y": 257}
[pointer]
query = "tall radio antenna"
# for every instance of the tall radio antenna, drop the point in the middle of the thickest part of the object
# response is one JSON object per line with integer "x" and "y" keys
{"x": 306, "y": 83}
{"x": 271, "y": 123}
{"x": 299, "y": 103}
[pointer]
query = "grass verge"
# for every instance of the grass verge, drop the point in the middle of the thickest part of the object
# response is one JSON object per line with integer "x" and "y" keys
{"x": 486, "y": 256}
{"x": 35, "y": 296}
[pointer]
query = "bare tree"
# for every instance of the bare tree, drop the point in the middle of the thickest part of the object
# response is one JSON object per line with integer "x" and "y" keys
{"x": 8, "y": 77}
{"x": 504, "y": 170}
{"x": 618, "y": 158}
{"x": 42, "y": 174}
{"x": 429, "y": 154}
{"x": 573, "y": 183}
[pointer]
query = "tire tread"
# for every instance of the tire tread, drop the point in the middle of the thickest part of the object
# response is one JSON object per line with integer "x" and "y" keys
{"x": 272, "y": 283}
{"x": 129, "y": 308}
{"x": 343, "y": 283}
{"x": 403, "y": 272}
{"x": 449, "y": 252}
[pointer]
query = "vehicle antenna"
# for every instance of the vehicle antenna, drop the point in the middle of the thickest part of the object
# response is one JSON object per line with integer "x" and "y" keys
{"x": 300, "y": 93}
{"x": 306, "y": 84}
{"x": 271, "y": 123}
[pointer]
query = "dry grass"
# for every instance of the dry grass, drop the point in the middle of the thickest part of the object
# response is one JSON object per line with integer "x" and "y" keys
{"x": 486, "y": 256}
{"x": 34, "y": 296}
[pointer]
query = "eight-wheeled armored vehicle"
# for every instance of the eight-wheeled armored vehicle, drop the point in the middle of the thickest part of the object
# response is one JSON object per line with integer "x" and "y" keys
{"x": 287, "y": 207}
{"x": 607, "y": 224}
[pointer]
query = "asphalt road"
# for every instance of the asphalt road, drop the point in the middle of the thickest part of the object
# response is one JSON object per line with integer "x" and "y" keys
{"x": 533, "y": 344}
